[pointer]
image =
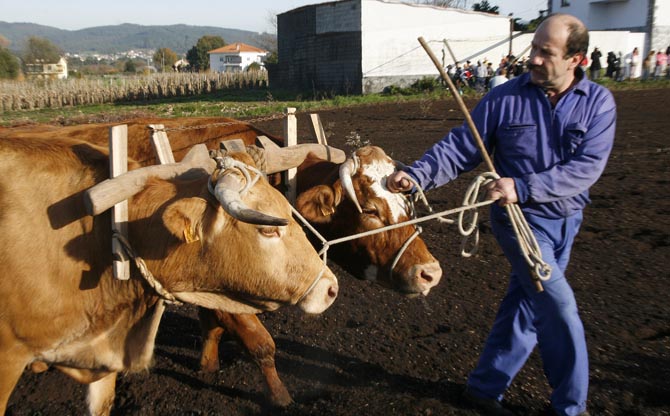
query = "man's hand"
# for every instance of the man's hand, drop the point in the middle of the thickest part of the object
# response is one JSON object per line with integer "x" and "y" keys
{"x": 502, "y": 190}
{"x": 398, "y": 181}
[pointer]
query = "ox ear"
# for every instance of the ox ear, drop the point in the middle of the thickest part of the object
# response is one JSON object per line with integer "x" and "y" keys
{"x": 318, "y": 204}
{"x": 184, "y": 217}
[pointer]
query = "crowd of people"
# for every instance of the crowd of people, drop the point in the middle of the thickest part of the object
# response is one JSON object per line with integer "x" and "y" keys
{"x": 631, "y": 66}
{"x": 483, "y": 76}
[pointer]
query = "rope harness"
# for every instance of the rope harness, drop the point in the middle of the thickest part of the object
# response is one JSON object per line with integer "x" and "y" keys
{"x": 471, "y": 202}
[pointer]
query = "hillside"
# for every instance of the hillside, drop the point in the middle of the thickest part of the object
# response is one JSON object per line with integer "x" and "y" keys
{"x": 124, "y": 37}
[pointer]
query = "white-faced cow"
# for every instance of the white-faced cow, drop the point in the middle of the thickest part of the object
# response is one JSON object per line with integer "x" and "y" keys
{"x": 215, "y": 240}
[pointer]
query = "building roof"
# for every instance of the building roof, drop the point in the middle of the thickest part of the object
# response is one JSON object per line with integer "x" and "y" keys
{"x": 237, "y": 48}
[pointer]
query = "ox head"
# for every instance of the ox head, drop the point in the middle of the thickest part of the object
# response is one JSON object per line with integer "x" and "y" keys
{"x": 243, "y": 250}
{"x": 359, "y": 201}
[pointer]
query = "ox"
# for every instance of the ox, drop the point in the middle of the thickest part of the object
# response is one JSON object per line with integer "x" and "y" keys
{"x": 60, "y": 304}
{"x": 339, "y": 200}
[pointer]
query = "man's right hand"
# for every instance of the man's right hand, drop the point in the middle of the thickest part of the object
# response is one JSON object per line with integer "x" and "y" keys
{"x": 399, "y": 181}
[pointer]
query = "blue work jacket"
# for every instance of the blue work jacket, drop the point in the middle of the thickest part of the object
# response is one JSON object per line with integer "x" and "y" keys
{"x": 553, "y": 154}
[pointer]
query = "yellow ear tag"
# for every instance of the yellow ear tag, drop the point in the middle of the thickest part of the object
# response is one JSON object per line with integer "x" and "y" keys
{"x": 190, "y": 236}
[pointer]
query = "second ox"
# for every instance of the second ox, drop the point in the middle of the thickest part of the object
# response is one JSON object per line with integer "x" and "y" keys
{"x": 339, "y": 200}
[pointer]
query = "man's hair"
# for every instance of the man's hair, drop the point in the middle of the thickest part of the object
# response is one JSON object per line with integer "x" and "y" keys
{"x": 578, "y": 36}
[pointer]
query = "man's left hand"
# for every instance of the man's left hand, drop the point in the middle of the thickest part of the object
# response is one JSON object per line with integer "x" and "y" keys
{"x": 502, "y": 190}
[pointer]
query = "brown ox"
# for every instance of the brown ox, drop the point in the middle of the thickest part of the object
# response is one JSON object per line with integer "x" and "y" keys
{"x": 340, "y": 200}
{"x": 59, "y": 303}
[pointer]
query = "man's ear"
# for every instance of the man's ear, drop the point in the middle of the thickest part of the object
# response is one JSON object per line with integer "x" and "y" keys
{"x": 318, "y": 204}
{"x": 184, "y": 217}
{"x": 576, "y": 59}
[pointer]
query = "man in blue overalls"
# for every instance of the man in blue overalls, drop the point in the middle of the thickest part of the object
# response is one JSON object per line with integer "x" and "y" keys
{"x": 550, "y": 131}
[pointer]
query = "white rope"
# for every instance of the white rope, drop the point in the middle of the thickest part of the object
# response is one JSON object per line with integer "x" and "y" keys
{"x": 471, "y": 202}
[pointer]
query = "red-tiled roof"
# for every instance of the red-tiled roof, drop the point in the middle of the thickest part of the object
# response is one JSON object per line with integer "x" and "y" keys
{"x": 237, "y": 47}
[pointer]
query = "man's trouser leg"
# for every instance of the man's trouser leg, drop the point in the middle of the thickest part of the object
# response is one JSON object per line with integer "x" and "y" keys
{"x": 526, "y": 317}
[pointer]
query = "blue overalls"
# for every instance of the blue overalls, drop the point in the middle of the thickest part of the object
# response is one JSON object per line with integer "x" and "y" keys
{"x": 554, "y": 156}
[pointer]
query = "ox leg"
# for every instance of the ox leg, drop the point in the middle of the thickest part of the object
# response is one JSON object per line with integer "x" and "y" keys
{"x": 101, "y": 395}
{"x": 251, "y": 333}
{"x": 211, "y": 333}
{"x": 253, "y": 336}
{"x": 11, "y": 368}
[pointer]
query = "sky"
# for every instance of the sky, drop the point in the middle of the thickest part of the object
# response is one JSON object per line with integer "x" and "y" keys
{"x": 253, "y": 15}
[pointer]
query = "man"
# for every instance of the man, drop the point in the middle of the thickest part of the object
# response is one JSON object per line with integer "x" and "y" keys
{"x": 551, "y": 131}
{"x": 595, "y": 64}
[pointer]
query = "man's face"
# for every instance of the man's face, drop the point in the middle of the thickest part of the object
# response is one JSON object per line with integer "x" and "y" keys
{"x": 549, "y": 67}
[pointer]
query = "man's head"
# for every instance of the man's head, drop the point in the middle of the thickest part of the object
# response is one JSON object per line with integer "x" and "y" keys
{"x": 559, "y": 44}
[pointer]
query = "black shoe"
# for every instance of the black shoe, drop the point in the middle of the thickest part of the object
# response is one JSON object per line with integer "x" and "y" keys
{"x": 489, "y": 407}
{"x": 549, "y": 411}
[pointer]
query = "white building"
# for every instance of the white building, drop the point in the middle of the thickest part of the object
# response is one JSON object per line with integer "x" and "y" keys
{"x": 235, "y": 57}
{"x": 651, "y": 17}
{"x": 363, "y": 46}
{"x": 55, "y": 70}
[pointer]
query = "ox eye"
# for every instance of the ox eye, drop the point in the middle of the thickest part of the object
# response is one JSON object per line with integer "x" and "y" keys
{"x": 370, "y": 211}
{"x": 269, "y": 231}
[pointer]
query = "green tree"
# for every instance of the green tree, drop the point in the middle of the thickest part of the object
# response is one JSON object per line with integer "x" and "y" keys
{"x": 198, "y": 57}
{"x": 164, "y": 58}
{"x": 485, "y": 7}
{"x": 9, "y": 64}
{"x": 40, "y": 50}
{"x": 130, "y": 66}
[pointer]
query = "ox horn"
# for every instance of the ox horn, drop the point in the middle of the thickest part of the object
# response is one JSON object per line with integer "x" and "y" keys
{"x": 228, "y": 190}
{"x": 110, "y": 192}
{"x": 347, "y": 170}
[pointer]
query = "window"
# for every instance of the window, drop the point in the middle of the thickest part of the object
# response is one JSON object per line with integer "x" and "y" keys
{"x": 565, "y": 3}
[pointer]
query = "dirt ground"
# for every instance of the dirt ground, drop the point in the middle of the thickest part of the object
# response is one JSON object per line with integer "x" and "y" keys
{"x": 378, "y": 353}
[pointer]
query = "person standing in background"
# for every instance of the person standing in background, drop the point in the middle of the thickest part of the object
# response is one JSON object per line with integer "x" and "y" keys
{"x": 595, "y": 64}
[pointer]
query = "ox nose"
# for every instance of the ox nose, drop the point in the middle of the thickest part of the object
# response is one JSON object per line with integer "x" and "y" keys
{"x": 332, "y": 292}
{"x": 427, "y": 276}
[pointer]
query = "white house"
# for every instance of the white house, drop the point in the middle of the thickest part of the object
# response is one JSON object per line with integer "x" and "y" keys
{"x": 235, "y": 57}
{"x": 363, "y": 46}
{"x": 55, "y": 70}
{"x": 651, "y": 17}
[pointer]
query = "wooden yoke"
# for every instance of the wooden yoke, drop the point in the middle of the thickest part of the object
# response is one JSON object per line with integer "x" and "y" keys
{"x": 106, "y": 194}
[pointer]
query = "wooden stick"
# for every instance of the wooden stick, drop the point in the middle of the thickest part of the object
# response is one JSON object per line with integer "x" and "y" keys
{"x": 318, "y": 129}
{"x": 290, "y": 139}
{"x": 461, "y": 104}
{"x": 118, "y": 165}
{"x": 161, "y": 144}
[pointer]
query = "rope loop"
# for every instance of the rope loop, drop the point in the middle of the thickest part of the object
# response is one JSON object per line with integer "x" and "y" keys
{"x": 144, "y": 270}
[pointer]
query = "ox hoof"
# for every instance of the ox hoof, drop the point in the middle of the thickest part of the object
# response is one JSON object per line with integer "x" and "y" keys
{"x": 280, "y": 398}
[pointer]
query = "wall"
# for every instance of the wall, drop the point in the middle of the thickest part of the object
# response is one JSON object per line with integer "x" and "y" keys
{"x": 391, "y": 53}
{"x": 661, "y": 32}
{"x": 319, "y": 48}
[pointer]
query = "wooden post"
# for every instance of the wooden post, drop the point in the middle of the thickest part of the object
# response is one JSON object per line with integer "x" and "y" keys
{"x": 450, "y": 51}
{"x": 290, "y": 139}
{"x": 318, "y": 129}
{"x": 118, "y": 165}
{"x": 161, "y": 144}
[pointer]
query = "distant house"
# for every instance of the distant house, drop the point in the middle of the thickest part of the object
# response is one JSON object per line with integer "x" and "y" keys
{"x": 47, "y": 70}
{"x": 235, "y": 57}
